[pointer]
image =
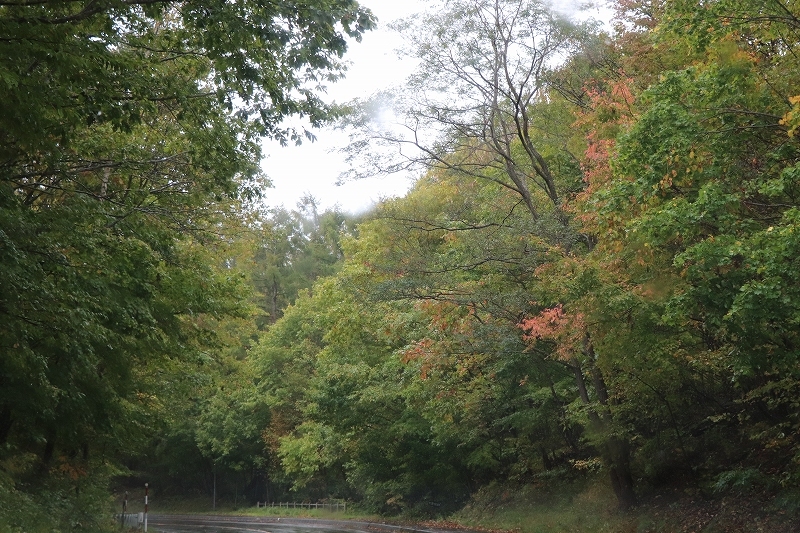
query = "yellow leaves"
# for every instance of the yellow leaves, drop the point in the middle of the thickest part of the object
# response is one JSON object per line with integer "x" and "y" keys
{"x": 588, "y": 465}
{"x": 680, "y": 168}
{"x": 665, "y": 183}
{"x": 792, "y": 119}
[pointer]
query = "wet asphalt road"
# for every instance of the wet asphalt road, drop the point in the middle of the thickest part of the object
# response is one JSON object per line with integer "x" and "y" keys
{"x": 246, "y": 524}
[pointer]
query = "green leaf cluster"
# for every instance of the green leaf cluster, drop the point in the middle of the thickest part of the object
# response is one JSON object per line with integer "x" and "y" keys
{"x": 129, "y": 150}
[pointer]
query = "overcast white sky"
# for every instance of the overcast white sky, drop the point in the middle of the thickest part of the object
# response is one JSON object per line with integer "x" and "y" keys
{"x": 314, "y": 167}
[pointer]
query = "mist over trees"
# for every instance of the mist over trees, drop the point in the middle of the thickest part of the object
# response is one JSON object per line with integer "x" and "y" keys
{"x": 594, "y": 275}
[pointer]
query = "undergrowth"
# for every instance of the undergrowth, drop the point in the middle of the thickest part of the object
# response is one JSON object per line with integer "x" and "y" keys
{"x": 589, "y": 506}
{"x": 577, "y": 506}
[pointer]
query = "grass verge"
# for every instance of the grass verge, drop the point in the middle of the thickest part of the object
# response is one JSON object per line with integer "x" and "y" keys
{"x": 589, "y": 506}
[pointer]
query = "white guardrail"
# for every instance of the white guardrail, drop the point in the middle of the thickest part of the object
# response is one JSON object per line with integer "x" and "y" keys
{"x": 131, "y": 520}
{"x": 335, "y": 506}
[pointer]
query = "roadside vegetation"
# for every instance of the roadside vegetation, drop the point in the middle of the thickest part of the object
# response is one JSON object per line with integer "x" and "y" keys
{"x": 585, "y": 505}
{"x": 590, "y": 507}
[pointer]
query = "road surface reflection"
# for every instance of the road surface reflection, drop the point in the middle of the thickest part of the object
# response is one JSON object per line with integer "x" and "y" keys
{"x": 248, "y": 524}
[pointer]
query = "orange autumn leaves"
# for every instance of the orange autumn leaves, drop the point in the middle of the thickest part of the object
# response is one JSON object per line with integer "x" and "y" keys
{"x": 447, "y": 321}
{"x": 564, "y": 329}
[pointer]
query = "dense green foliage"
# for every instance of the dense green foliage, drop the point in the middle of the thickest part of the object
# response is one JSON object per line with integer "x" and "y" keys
{"x": 220, "y": 434}
{"x": 595, "y": 278}
{"x": 599, "y": 280}
{"x": 128, "y": 141}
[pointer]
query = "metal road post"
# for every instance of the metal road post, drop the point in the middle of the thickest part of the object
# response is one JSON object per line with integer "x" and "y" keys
{"x": 124, "y": 508}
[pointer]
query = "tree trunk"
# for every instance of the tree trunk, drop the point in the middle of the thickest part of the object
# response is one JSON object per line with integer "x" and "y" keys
{"x": 615, "y": 450}
{"x": 619, "y": 467}
{"x": 6, "y": 421}
{"x": 48, "y": 452}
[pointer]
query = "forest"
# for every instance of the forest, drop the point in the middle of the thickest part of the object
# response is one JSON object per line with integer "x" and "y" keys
{"x": 595, "y": 274}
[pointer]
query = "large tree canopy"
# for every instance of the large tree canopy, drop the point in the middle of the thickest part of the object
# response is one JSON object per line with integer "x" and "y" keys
{"x": 128, "y": 131}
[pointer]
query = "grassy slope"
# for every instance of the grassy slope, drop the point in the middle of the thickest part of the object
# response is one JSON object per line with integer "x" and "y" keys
{"x": 590, "y": 507}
